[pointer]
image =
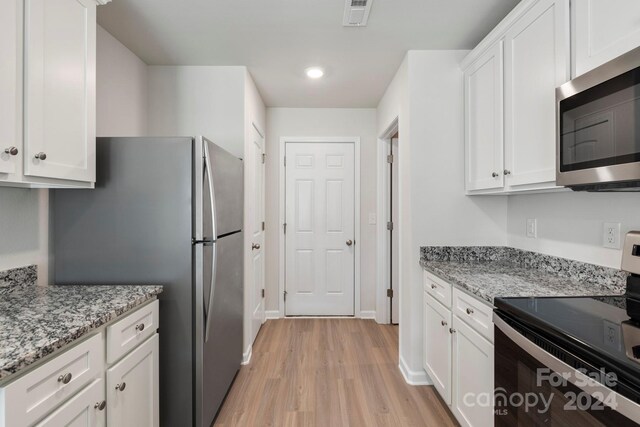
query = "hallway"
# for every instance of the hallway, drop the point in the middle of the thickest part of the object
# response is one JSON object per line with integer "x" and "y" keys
{"x": 328, "y": 372}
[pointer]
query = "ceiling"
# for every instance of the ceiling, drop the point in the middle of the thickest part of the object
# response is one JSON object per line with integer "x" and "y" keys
{"x": 278, "y": 39}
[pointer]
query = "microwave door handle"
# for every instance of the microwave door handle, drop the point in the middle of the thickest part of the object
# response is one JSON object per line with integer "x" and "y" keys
{"x": 212, "y": 207}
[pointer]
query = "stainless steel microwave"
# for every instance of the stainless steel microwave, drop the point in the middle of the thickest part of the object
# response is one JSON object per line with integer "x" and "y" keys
{"x": 598, "y": 128}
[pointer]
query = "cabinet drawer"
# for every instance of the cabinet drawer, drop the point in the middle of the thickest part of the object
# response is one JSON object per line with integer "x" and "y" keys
{"x": 438, "y": 288}
{"x": 31, "y": 397}
{"x": 126, "y": 334}
{"x": 478, "y": 314}
{"x": 83, "y": 409}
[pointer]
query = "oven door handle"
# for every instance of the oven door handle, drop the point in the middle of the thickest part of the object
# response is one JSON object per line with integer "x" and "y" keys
{"x": 587, "y": 384}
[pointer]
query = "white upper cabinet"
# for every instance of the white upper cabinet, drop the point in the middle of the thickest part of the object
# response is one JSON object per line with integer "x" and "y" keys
{"x": 484, "y": 120}
{"x": 60, "y": 49}
{"x": 536, "y": 62}
{"x": 9, "y": 83}
{"x": 602, "y": 31}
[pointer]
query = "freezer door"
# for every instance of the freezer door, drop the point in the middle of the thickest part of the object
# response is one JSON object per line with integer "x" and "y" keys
{"x": 223, "y": 179}
{"x": 222, "y": 330}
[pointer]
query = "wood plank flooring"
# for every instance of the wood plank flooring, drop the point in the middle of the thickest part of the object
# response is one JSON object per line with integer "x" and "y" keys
{"x": 328, "y": 372}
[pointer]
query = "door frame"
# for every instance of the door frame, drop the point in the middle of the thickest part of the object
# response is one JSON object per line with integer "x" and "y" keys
{"x": 355, "y": 140}
{"x": 382, "y": 302}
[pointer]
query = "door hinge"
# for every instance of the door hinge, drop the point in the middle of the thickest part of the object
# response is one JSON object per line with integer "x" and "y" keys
{"x": 285, "y": 295}
{"x": 390, "y": 158}
{"x": 262, "y": 225}
{"x": 264, "y": 156}
{"x": 284, "y": 226}
{"x": 263, "y": 293}
{"x": 285, "y": 161}
{"x": 389, "y": 293}
{"x": 390, "y": 225}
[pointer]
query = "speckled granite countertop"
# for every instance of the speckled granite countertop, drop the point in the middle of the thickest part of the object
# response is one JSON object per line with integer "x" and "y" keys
{"x": 37, "y": 320}
{"x": 490, "y": 272}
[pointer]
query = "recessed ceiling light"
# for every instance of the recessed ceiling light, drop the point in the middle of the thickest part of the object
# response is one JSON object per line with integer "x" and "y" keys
{"x": 315, "y": 72}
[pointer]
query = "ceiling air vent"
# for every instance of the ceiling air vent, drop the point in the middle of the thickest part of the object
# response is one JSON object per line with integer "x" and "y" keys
{"x": 356, "y": 13}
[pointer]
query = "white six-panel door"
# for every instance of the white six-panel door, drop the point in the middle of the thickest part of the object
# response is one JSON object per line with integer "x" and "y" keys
{"x": 320, "y": 231}
{"x": 257, "y": 233}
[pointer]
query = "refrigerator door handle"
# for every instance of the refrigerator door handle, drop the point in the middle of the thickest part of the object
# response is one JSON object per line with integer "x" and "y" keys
{"x": 212, "y": 207}
{"x": 214, "y": 262}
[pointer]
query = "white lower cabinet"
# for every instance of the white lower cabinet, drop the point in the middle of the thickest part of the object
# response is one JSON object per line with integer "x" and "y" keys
{"x": 70, "y": 389}
{"x": 437, "y": 345}
{"x": 458, "y": 353}
{"x": 85, "y": 409}
{"x": 132, "y": 386}
{"x": 472, "y": 402}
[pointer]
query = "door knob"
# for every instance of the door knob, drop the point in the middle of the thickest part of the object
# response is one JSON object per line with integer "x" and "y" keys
{"x": 349, "y": 242}
{"x": 255, "y": 246}
{"x": 11, "y": 150}
{"x": 41, "y": 156}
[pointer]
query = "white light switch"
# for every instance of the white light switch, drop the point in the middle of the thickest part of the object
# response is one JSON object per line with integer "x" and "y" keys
{"x": 611, "y": 235}
{"x": 532, "y": 228}
{"x": 372, "y": 219}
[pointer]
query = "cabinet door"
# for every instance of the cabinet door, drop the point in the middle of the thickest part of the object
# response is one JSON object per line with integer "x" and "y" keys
{"x": 9, "y": 83}
{"x": 484, "y": 121}
{"x": 536, "y": 62}
{"x": 603, "y": 30}
{"x": 60, "y": 48}
{"x": 472, "y": 377}
{"x": 437, "y": 345}
{"x": 85, "y": 409}
{"x": 132, "y": 388}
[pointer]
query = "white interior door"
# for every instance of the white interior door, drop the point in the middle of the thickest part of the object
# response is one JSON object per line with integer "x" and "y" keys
{"x": 320, "y": 231}
{"x": 257, "y": 234}
{"x": 394, "y": 246}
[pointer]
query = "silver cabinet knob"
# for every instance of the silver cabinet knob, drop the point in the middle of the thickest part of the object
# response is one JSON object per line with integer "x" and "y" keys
{"x": 41, "y": 156}
{"x": 255, "y": 246}
{"x": 507, "y": 172}
{"x": 433, "y": 286}
{"x": 121, "y": 387}
{"x": 100, "y": 405}
{"x": 11, "y": 150}
{"x": 443, "y": 323}
{"x": 452, "y": 331}
{"x": 65, "y": 378}
{"x": 469, "y": 311}
{"x": 495, "y": 174}
{"x": 140, "y": 327}
{"x": 349, "y": 242}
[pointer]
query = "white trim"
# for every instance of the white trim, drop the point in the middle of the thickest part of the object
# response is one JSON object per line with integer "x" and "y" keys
{"x": 368, "y": 314}
{"x": 281, "y": 237}
{"x": 272, "y": 314}
{"x": 246, "y": 356}
{"x": 413, "y": 377}
{"x": 382, "y": 306}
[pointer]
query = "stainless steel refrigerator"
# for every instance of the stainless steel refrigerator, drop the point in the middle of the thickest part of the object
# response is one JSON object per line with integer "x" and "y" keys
{"x": 166, "y": 211}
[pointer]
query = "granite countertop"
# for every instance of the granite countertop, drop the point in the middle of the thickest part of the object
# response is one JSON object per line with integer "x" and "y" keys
{"x": 518, "y": 273}
{"x": 37, "y": 320}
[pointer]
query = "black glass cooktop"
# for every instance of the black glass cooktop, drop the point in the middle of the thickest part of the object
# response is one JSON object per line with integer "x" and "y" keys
{"x": 604, "y": 331}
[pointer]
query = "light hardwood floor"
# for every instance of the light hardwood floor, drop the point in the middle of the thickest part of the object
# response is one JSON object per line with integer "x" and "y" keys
{"x": 328, "y": 372}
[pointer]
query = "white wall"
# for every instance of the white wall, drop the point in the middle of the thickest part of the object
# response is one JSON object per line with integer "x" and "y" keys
{"x": 199, "y": 100}
{"x": 433, "y": 207}
{"x": 121, "y": 89}
{"x": 570, "y": 225}
{"x": 323, "y": 122}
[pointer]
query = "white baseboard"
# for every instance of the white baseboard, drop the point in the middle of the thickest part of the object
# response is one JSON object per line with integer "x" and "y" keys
{"x": 413, "y": 377}
{"x": 272, "y": 314}
{"x": 246, "y": 356}
{"x": 368, "y": 314}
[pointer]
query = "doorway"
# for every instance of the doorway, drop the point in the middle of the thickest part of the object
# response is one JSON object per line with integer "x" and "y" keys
{"x": 320, "y": 227}
{"x": 392, "y": 222}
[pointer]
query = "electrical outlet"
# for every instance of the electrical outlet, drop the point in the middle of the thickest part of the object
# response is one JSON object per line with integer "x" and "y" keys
{"x": 611, "y": 235}
{"x": 611, "y": 336}
{"x": 532, "y": 228}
